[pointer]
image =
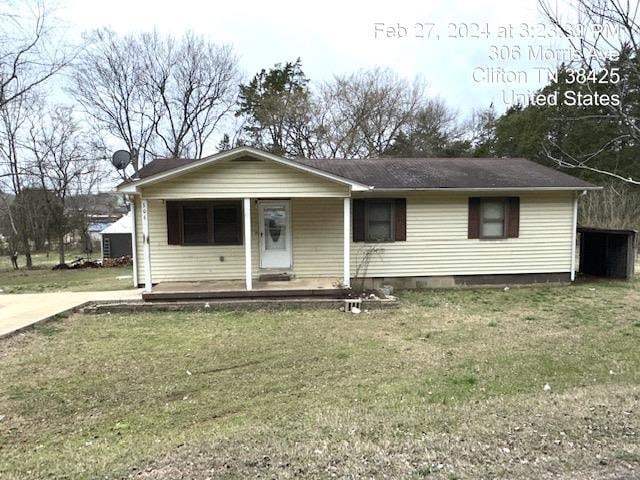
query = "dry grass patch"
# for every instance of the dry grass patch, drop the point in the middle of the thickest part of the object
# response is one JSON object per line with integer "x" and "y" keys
{"x": 450, "y": 385}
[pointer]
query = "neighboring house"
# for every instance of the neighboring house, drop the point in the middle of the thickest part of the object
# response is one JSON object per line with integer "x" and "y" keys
{"x": 412, "y": 222}
{"x": 116, "y": 238}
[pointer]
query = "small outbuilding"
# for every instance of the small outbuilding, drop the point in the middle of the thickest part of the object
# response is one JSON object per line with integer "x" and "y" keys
{"x": 607, "y": 253}
{"x": 116, "y": 238}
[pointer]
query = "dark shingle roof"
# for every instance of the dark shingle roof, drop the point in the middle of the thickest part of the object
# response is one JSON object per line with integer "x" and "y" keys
{"x": 160, "y": 165}
{"x": 423, "y": 173}
{"x": 407, "y": 173}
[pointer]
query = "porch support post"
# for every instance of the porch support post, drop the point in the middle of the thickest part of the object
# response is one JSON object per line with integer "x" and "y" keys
{"x": 246, "y": 207}
{"x": 347, "y": 242}
{"x": 145, "y": 245}
{"x": 134, "y": 240}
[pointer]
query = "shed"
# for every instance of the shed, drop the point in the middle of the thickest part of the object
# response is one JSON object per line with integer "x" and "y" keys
{"x": 607, "y": 252}
{"x": 116, "y": 238}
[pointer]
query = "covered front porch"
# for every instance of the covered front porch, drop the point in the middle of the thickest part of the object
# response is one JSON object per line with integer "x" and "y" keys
{"x": 285, "y": 247}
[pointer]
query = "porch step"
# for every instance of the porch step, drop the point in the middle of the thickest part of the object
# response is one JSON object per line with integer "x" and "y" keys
{"x": 275, "y": 277}
{"x": 336, "y": 293}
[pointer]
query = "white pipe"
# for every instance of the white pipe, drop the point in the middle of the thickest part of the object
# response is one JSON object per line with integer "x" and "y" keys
{"x": 574, "y": 230}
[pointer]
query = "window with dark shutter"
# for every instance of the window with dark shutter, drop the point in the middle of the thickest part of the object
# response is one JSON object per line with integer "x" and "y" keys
{"x": 379, "y": 220}
{"x": 494, "y": 217}
{"x": 204, "y": 223}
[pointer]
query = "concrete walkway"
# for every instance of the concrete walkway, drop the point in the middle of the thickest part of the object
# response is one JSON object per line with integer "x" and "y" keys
{"x": 21, "y": 310}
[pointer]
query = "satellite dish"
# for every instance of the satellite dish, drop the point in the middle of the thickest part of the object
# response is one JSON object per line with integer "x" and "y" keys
{"x": 121, "y": 159}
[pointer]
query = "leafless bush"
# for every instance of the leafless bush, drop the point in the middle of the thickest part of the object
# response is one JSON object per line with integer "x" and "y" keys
{"x": 617, "y": 206}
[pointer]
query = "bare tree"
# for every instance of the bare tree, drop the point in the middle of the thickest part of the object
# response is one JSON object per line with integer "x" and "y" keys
{"x": 360, "y": 115}
{"x": 158, "y": 95}
{"x": 608, "y": 38}
{"x": 109, "y": 82}
{"x": 193, "y": 83}
{"x": 29, "y": 52}
{"x": 14, "y": 116}
{"x": 60, "y": 165}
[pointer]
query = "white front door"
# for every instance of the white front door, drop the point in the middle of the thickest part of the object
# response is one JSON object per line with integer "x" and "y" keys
{"x": 275, "y": 234}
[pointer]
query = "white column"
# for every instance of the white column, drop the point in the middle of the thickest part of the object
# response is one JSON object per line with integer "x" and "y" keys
{"x": 145, "y": 244}
{"x": 574, "y": 227}
{"x": 134, "y": 241}
{"x": 246, "y": 207}
{"x": 347, "y": 242}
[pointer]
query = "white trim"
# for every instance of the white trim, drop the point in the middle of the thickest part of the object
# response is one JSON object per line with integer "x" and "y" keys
{"x": 134, "y": 242}
{"x": 488, "y": 189}
{"x": 262, "y": 235}
{"x": 145, "y": 245}
{"x": 235, "y": 153}
{"x": 574, "y": 227}
{"x": 246, "y": 207}
{"x": 346, "y": 242}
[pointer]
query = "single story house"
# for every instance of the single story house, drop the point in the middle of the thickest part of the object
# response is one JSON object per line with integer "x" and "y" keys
{"x": 116, "y": 239}
{"x": 414, "y": 222}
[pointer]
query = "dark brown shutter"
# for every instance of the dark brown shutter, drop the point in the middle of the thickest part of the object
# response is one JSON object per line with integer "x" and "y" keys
{"x": 400, "y": 233}
{"x": 358, "y": 220}
{"x": 513, "y": 222}
{"x": 173, "y": 223}
{"x": 474, "y": 217}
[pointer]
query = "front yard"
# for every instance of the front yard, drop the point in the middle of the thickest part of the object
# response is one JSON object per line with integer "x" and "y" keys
{"x": 42, "y": 279}
{"x": 526, "y": 383}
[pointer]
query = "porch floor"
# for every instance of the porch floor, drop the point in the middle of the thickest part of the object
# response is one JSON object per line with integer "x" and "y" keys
{"x": 213, "y": 289}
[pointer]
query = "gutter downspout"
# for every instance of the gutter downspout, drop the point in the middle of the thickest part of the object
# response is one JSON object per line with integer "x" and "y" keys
{"x": 574, "y": 233}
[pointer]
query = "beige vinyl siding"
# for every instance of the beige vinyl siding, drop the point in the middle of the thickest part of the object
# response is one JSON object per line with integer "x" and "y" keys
{"x": 245, "y": 178}
{"x": 317, "y": 236}
{"x": 437, "y": 242}
{"x": 177, "y": 262}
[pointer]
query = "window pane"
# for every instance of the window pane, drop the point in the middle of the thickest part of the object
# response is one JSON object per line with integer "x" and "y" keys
{"x": 195, "y": 225}
{"x": 493, "y": 210}
{"x": 379, "y": 215}
{"x": 226, "y": 214}
{"x": 492, "y": 229}
{"x": 275, "y": 227}
{"x": 380, "y": 211}
{"x": 379, "y": 231}
{"x": 226, "y": 228}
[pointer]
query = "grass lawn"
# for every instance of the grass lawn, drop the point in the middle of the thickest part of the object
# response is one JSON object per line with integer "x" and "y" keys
{"x": 42, "y": 279}
{"x": 450, "y": 385}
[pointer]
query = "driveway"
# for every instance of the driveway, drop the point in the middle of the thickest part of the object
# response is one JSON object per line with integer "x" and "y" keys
{"x": 21, "y": 310}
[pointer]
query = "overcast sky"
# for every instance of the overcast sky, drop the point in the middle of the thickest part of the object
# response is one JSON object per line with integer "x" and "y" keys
{"x": 339, "y": 36}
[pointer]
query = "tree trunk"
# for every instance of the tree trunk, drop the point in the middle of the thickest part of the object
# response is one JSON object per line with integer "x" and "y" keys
{"x": 61, "y": 249}
{"x": 27, "y": 251}
{"x": 14, "y": 261}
